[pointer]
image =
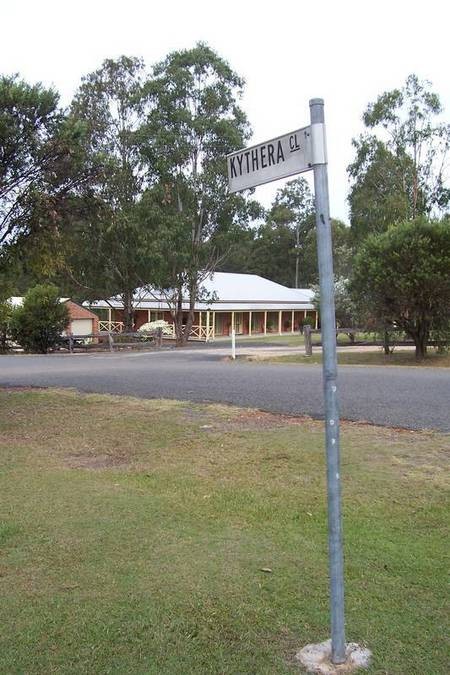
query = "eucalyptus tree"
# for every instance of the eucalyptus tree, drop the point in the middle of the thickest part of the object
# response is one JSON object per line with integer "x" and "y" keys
{"x": 293, "y": 207}
{"x": 399, "y": 171}
{"x": 193, "y": 122}
{"x": 42, "y": 164}
{"x": 110, "y": 104}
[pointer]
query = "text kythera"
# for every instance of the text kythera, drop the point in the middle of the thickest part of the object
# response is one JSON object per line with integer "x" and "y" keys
{"x": 254, "y": 159}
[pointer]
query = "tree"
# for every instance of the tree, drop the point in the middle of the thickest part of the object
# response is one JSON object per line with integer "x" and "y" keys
{"x": 37, "y": 325}
{"x": 294, "y": 207}
{"x": 5, "y": 320}
{"x": 41, "y": 160}
{"x": 237, "y": 250}
{"x": 272, "y": 253}
{"x": 399, "y": 170}
{"x": 401, "y": 277}
{"x": 116, "y": 261}
{"x": 194, "y": 121}
{"x": 346, "y": 310}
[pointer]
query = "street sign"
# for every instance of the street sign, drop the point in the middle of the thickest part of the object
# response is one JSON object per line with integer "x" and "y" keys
{"x": 278, "y": 158}
{"x": 304, "y": 150}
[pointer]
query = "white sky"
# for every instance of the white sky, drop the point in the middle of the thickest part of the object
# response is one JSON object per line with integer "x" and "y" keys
{"x": 345, "y": 51}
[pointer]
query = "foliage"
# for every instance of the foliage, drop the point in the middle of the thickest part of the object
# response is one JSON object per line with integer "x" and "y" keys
{"x": 346, "y": 310}
{"x": 156, "y": 325}
{"x": 399, "y": 170}
{"x": 5, "y": 321}
{"x": 111, "y": 247}
{"x": 42, "y": 165}
{"x": 272, "y": 253}
{"x": 37, "y": 324}
{"x": 308, "y": 321}
{"x": 294, "y": 207}
{"x": 193, "y": 122}
{"x": 401, "y": 277}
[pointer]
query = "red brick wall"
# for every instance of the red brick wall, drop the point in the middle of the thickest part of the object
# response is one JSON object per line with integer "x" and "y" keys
{"x": 140, "y": 317}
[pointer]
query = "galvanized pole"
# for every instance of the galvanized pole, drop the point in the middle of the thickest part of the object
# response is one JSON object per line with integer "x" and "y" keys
{"x": 328, "y": 324}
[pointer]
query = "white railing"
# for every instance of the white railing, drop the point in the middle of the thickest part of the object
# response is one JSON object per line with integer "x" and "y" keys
{"x": 199, "y": 333}
{"x": 110, "y": 326}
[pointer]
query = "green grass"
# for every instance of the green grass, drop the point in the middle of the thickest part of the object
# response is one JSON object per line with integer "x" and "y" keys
{"x": 133, "y": 536}
{"x": 372, "y": 358}
{"x": 297, "y": 340}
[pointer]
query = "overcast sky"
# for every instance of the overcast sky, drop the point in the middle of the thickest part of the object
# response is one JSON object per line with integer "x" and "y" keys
{"x": 345, "y": 51}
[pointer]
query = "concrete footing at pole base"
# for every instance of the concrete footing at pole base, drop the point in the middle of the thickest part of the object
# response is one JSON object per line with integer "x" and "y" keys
{"x": 316, "y": 658}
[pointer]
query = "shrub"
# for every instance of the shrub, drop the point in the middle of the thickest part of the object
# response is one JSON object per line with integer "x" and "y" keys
{"x": 401, "y": 278}
{"x": 37, "y": 325}
{"x": 308, "y": 321}
{"x": 5, "y": 320}
{"x": 155, "y": 325}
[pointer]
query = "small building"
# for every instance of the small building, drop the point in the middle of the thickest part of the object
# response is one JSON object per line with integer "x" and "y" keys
{"x": 82, "y": 320}
{"x": 247, "y": 303}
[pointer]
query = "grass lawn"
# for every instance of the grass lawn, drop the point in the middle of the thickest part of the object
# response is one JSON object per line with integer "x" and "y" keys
{"x": 375, "y": 358}
{"x": 297, "y": 340}
{"x": 133, "y": 537}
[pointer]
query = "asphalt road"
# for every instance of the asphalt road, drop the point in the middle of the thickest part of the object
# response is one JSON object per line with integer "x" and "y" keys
{"x": 413, "y": 398}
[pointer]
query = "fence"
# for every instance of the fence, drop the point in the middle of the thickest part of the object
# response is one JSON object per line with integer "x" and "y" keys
{"x": 387, "y": 343}
{"x": 110, "y": 326}
{"x": 198, "y": 333}
{"x": 308, "y": 331}
{"x": 113, "y": 340}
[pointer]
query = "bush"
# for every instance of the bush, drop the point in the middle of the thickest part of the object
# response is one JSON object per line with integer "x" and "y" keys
{"x": 5, "y": 320}
{"x": 308, "y": 321}
{"x": 152, "y": 326}
{"x": 37, "y": 325}
{"x": 401, "y": 278}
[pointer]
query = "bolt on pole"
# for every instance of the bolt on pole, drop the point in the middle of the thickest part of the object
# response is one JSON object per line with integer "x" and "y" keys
{"x": 328, "y": 325}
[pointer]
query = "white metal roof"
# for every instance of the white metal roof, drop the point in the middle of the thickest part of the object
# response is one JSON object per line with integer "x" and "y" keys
{"x": 231, "y": 287}
{"x": 17, "y": 300}
{"x": 231, "y": 291}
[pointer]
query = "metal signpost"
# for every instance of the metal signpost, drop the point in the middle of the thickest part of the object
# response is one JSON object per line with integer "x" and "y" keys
{"x": 278, "y": 158}
{"x": 293, "y": 153}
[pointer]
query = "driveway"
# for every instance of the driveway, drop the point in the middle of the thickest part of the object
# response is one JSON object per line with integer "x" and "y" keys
{"x": 413, "y": 398}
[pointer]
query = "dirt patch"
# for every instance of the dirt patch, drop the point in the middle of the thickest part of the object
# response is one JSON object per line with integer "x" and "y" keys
{"x": 266, "y": 420}
{"x": 15, "y": 388}
{"x": 223, "y": 420}
{"x": 95, "y": 462}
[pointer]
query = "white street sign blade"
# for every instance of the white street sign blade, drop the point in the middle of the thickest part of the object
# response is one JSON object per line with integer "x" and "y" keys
{"x": 278, "y": 158}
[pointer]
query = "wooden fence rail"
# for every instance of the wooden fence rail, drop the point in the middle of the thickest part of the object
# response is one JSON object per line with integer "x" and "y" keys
{"x": 116, "y": 340}
{"x": 308, "y": 332}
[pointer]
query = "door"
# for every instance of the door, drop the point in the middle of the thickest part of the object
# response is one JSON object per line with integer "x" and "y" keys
{"x": 81, "y": 326}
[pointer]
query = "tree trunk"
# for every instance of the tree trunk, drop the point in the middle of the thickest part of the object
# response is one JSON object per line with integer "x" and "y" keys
{"x": 190, "y": 318}
{"x": 128, "y": 311}
{"x": 420, "y": 337}
{"x": 178, "y": 320}
{"x": 421, "y": 350}
{"x": 297, "y": 255}
{"x": 386, "y": 343}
